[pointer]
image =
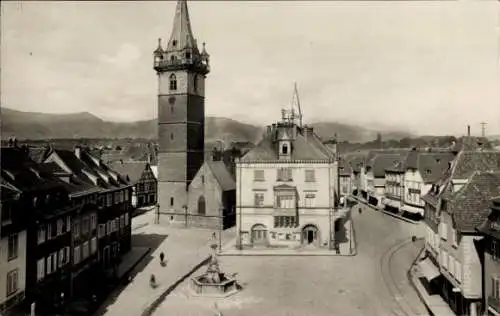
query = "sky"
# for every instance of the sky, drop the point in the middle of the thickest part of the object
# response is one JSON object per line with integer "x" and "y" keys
{"x": 426, "y": 67}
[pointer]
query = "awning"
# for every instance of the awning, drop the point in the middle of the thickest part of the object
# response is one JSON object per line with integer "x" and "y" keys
{"x": 392, "y": 203}
{"x": 428, "y": 269}
{"x": 413, "y": 209}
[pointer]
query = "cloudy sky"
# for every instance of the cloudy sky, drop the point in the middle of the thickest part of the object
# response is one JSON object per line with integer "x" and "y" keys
{"x": 431, "y": 67}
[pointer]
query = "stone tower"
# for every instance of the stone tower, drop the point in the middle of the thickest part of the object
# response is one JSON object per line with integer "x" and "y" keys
{"x": 181, "y": 70}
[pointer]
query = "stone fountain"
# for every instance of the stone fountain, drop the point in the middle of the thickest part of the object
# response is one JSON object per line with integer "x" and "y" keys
{"x": 214, "y": 283}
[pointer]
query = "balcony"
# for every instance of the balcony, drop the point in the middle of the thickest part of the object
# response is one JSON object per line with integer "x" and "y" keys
{"x": 180, "y": 64}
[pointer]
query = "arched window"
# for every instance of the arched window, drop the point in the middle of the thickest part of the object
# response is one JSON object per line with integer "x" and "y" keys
{"x": 171, "y": 201}
{"x": 201, "y": 205}
{"x": 173, "y": 82}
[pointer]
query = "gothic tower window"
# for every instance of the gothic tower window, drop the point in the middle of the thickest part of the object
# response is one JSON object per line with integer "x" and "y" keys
{"x": 173, "y": 82}
{"x": 171, "y": 201}
{"x": 188, "y": 55}
{"x": 174, "y": 43}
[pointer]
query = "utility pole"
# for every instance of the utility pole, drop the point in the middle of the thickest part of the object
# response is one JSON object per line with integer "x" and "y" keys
{"x": 483, "y": 129}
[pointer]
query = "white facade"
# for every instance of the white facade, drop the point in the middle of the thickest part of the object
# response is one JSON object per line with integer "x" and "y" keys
{"x": 12, "y": 267}
{"x": 308, "y": 202}
{"x": 414, "y": 189}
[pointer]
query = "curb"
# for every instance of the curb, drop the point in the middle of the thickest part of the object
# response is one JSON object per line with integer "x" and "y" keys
{"x": 152, "y": 307}
{"x": 140, "y": 226}
{"x": 410, "y": 275}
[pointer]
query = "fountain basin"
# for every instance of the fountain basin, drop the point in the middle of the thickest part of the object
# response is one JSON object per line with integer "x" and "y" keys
{"x": 200, "y": 286}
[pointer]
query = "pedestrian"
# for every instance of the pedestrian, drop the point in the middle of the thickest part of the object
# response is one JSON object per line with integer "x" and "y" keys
{"x": 162, "y": 257}
{"x": 360, "y": 210}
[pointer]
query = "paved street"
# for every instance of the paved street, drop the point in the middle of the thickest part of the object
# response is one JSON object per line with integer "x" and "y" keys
{"x": 183, "y": 248}
{"x": 372, "y": 283}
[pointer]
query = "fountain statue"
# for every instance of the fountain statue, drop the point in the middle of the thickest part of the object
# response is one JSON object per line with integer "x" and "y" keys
{"x": 213, "y": 282}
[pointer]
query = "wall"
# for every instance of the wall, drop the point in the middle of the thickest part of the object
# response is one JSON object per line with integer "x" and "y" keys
{"x": 323, "y": 188}
{"x": 6, "y": 266}
{"x": 212, "y": 193}
{"x": 491, "y": 269}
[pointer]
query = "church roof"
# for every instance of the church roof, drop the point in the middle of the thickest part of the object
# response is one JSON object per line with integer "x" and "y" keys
{"x": 182, "y": 35}
{"x": 222, "y": 175}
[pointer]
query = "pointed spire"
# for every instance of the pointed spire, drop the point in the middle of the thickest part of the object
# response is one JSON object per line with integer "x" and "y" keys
{"x": 182, "y": 35}
{"x": 296, "y": 103}
{"x": 159, "y": 50}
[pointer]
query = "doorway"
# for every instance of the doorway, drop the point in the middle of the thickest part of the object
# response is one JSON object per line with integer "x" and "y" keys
{"x": 310, "y": 235}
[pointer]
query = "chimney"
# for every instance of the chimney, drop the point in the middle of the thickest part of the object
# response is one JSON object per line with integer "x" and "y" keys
{"x": 468, "y": 130}
{"x": 77, "y": 151}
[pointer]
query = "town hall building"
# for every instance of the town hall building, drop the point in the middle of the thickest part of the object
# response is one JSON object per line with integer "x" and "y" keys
{"x": 191, "y": 192}
{"x": 287, "y": 192}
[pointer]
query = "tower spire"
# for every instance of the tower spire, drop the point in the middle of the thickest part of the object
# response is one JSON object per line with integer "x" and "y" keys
{"x": 182, "y": 35}
{"x": 296, "y": 103}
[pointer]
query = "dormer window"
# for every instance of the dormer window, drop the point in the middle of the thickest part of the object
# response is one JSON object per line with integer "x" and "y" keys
{"x": 173, "y": 82}
{"x": 284, "y": 149}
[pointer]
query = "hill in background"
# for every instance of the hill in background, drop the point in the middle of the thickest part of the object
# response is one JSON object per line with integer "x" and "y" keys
{"x": 38, "y": 126}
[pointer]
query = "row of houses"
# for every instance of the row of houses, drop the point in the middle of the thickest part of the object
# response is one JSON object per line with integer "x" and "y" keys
{"x": 457, "y": 193}
{"x": 65, "y": 225}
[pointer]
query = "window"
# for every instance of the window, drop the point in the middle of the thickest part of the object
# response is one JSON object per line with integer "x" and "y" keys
{"x": 126, "y": 219}
{"x": 109, "y": 229}
{"x": 109, "y": 199}
{"x": 188, "y": 55}
{"x": 285, "y": 221}
{"x": 59, "y": 227}
{"x": 284, "y": 174}
{"x": 93, "y": 221}
{"x": 259, "y": 199}
{"x": 258, "y": 175}
{"x": 61, "y": 258}
{"x": 12, "y": 282}
{"x": 309, "y": 200}
{"x": 122, "y": 221}
{"x": 41, "y": 234}
{"x": 203, "y": 179}
{"x": 93, "y": 245}
{"x": 76, "y": 228}
{"x": 13, "y": 247}
{"x": 173, "y": 82}
{"x": 285, "y": 201}
{"x": 40, "y": 269}
{"x": 76, "y": 255}
{"x": 495, "y": 287}
{"x": 284, "y": 149}
{"x": 85, "y": 225}
{"x": 85, "y": 250}
{"x": 101, "y": 231}
{"x": 66, "y": 255}
{"x": 52, "y": 263}
{"x": 451, "y": 266}
{"x": 171, "y": 201}
{"x": 494, "y": 250}
{"x": 174, "y": 43}
{"x": 310, "y": 176}
{"x": 171, "y": 136}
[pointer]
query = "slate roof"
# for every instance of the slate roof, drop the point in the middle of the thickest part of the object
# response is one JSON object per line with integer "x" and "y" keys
{"x": 131, "y": 169}
{"x": 431, "y": 166}
{"x": 18, "y": 169}
{"x": 302, "y": 149}
{"x": 38, "y": 154}
{"x": 382, "y": 161}
{"x": 463, "y": 166}
{"x": 470, "y": 206}
{"x": 222, "y": 175}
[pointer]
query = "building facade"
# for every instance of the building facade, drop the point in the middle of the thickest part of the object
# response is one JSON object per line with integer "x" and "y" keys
{"x": 141, "y": 175}
{"x": 13, "y": 249}
{"x": 394, "y": 187}
{"x": 490, "y": 231}
{"x": 287, "y": 193}
{"x": 181, "y": 68}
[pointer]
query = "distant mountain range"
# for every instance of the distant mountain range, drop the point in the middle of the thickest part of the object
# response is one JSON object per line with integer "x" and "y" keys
{"x": 36, "y": 126}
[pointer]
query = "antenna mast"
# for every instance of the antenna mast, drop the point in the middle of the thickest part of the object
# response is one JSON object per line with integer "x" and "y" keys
{"x": 483, "y": 129}
{"x": 297, "y": 100}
